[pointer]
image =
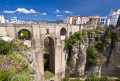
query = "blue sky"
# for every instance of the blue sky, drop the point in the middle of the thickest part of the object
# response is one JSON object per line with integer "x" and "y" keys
{"x": 55, "y": 9}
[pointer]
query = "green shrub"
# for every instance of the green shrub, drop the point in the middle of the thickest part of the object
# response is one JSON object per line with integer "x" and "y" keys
{"x": 92, "y": 79}
{"x": 118, "y": 79}
{"x": 48, "y": 75}
{"x": 99, "y": 45}
{"x": 92, "y": 55}
{"x": 97, "y": 38}
{"x": 13, "y": 66}
{"x": 76, "y": 79}
{"x": 69, "y": 42}
{"x": 6, "y": 47}
{"x": 103, "y": 78}
{"x": 66, "y": 78}
{"x": 18, "y": 45}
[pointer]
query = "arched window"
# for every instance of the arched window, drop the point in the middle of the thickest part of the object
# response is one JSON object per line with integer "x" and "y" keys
{"x": 63, "y": 32}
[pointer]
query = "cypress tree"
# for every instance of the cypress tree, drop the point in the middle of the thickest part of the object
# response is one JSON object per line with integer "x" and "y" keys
{"x": 118, "y": 22}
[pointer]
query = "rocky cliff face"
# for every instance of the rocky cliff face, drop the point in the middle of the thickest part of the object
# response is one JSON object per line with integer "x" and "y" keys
{"x": 34, "y": 71}
{"x": 111, "y": 67}
{"x": 78, "y": 58}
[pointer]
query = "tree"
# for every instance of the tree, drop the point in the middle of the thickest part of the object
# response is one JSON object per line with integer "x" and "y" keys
{"x": 5, "y": 47}
{"x": 118, "y": 22}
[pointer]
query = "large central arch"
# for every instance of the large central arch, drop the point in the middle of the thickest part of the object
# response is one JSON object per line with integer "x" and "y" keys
{"x": 51, "y": 55}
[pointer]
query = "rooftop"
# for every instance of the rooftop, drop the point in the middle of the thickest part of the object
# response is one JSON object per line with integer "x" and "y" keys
{"x": 115, "y": 9}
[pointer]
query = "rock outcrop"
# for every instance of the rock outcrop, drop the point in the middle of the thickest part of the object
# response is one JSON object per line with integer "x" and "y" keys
{"x": 78, "y": 59}
{"x": 107, "y": 65}
{"x": 34, "y": 71}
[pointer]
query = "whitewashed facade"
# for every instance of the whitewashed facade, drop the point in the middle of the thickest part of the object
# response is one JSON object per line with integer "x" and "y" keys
{"x": 76, "y": 20}
{"x": 2, "y": 19}
{"x": 114, "y": 14}
{"x": 68, "y": 20}
{"x": 105, "y": 21}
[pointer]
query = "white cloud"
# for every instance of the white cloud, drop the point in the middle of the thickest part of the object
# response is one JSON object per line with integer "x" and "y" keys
{"x": 43, "y": 14}
{"x": 57, "y": 11}
{"x": 14, "y": 17}
{"x": 35, "y": 15}
{"x": 59, "y": 15}
{"x": 6, "y": 11}
{"x": 23, "y": 10}
{"x": 68, "y": 12}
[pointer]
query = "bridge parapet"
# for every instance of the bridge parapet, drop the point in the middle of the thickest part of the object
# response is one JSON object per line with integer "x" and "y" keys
{"x": 14, "y": 25}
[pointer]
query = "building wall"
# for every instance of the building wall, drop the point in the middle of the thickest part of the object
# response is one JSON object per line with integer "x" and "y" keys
{"x": 2, "y": 19}
{"x": 104, "y": 21}
{"x": 114, "y": 14}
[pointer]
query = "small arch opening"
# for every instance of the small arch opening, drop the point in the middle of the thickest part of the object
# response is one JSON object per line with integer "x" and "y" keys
{"x": 63, "y": 32}
{"x": 24, "y": 34}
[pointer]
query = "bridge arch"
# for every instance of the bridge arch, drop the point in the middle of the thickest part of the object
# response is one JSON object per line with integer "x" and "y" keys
{"x": 63, "y": 32}
{"x": 24, "y": 34}
{"x": 49, "y": 53}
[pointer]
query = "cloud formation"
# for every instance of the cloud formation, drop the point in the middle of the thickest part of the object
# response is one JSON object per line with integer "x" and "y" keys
{"x": 6, "y": 11}
{"x": 14, "y": 17}
{"x": 43, "y": 14}
{"x": 68, "y": 12}
{"x": 35, "y": 15}
{"x": 59, "y": 15}
{"x": 57, "y": 11}
{"x": 22, "y": 10}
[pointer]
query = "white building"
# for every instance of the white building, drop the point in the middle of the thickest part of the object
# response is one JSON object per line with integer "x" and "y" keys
{"x": 76, "y": 20}
{"x": 105, "y": 21}
{"x": 114, "y": 14}
{"x": 85, "y": 20}
{"x": 68, "y": 20}
{"x": 2, "y": 19}
{"x": 15, "y": 21}
{"x": 94, "y": 20}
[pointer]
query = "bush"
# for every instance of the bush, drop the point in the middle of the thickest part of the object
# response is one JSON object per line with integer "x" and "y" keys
{"x": 99, "y": 45}
{"x": 13, "y": 66}
{"x": 103, "y": 79}
{"x": 97, "y": 38}
{"x": 118, "y": 79}
{"x": 93, "y": 78}
{"x": 66, "y": 78}
{"x": 77, "y": 79}
{"x": 92, "y": 55}
{"x": 48, "y": 75}
{"x": 6, "y": 47}
{"x": 18, "y": 45}
{"x": 69, "y": 42}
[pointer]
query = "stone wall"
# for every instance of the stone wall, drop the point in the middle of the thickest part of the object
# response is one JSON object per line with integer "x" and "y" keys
{"x": 112, "y": 68}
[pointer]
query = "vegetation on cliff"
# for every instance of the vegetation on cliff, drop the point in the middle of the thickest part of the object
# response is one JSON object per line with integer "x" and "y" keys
{"x": 69, "y": 42}
{"x": 13, "y": 67}
{"x": 91, "y": 55}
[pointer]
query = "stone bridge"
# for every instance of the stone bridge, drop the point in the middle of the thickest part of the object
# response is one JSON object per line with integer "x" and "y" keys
{"x": 56, "y": 33}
